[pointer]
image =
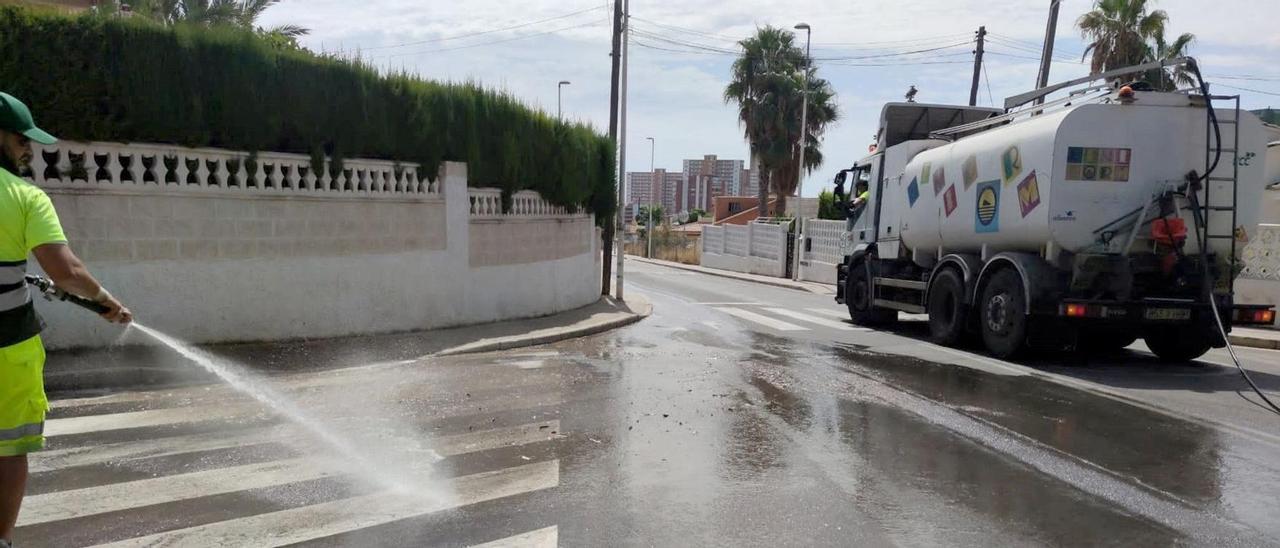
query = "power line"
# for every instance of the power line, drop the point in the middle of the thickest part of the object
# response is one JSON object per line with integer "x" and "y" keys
{"x": 1247, "y": 89}
{"x": 990, "y": 98}
{"x": 484, "y": 32}
{"x": 1026, "y": 49}
{"x": 1247, "y": 77}
{"x": 897, "y": 54}
{"x": 910, "y": 42}
{"x": 1029, "y": 43}
{"x": 1028, "y": 57}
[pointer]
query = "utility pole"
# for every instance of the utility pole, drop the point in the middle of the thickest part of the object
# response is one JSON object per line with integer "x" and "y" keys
{"x": 648, "y": 228}
{"x": 804, "y": 140}
{"x": 609, "y": 227}
{"x": 1046, "y": 56}
{"x": 622, "y": 138}
{"x": 977, "y": 66}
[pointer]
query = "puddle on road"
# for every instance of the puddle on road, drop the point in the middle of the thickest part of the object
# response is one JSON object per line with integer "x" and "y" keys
{"x": 1188, "y": 461}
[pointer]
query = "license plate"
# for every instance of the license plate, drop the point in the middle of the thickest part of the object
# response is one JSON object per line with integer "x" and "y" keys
{"x": 1168, "y": 314}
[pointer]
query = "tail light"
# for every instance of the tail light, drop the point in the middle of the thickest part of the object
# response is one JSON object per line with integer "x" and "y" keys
{"x": 1253, "y": 316}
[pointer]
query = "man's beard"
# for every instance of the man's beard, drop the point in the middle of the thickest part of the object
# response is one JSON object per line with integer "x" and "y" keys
{"x": 19, "y": 170}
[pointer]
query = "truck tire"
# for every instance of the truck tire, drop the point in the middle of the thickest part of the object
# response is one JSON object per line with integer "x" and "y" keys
{"x": 1003, "y": 314}
{"x": 1177, "y": 345}
{"x": 857, "y": 295}
{"x": 947, "y": 312}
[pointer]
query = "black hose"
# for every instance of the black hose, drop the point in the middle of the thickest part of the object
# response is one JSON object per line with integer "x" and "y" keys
{"x": 53, "y": 292}
{"x": 1204, "y": 248}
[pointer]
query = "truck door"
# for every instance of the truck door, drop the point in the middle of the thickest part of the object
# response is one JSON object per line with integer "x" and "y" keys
{"x": 863, "y": 220}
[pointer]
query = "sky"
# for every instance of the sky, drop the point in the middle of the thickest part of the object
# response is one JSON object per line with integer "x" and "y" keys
{"x": 863, "y": 48}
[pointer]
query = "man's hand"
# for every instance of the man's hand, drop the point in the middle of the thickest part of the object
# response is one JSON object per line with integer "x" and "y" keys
{"x": 117, "y": 313}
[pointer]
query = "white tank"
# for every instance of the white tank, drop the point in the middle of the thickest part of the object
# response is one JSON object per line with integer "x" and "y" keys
{"x": 1053, "y": 179}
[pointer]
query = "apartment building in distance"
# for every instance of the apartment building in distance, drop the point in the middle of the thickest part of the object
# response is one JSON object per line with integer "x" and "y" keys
{"x": 659, "y": 187}
{"x": 707, "y": 178}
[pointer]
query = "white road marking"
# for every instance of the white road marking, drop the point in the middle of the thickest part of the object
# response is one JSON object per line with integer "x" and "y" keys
{"x": 729, "y": 304}
{"x": 547, "y": 537}
{"x": 151, "y": 417}
{"x": 762, "y": 319}
{"x": 815, "y": 320}
{"x": 470, "y": 442}
{"x": 833, "y": 312}
{"x": 134, "y": 494}
{"x": 231, "y": 410}
{"x": 89, "y": 501}
{"x": 711, "y": 324}
{"x": 341, "y": 516}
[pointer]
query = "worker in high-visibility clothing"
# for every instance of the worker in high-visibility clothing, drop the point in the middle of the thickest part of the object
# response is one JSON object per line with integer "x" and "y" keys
{"x": 28, "y": 226}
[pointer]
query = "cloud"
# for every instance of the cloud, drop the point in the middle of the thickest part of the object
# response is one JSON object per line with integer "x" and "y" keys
{"x": 676, "y": 97}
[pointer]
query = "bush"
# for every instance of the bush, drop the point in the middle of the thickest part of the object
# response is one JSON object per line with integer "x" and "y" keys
{"x": 96, "y": 78}
{"x": 827, "y": 206}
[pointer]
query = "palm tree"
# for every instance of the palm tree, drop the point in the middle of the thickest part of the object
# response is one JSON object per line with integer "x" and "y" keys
{"x": 767, "y": 58}
{"x": 1164, "y": 51}
{"x": 1124, "y": 33}
{"x": 822, "y": 111}
{"x": 237, "y": 13}
{"x": 768, "y": 84}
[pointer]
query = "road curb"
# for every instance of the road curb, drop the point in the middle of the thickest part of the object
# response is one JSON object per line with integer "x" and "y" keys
{"x": 1254, "y": 342}
{"x": 636, "y": 308}
{"x": 728, "y": 274}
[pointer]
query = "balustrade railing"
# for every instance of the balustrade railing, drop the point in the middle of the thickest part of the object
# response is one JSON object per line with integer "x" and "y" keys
{"x": 487, "y": 202}
{"x": 70, "y": 164}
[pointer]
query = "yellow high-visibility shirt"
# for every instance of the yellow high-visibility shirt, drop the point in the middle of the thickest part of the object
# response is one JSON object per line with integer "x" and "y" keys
{"x": 27, "y": 220}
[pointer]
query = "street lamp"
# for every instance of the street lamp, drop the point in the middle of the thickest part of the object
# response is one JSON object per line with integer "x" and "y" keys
{"x": 804, "y": 133}
{"x": 559, "y": 87}
{"x": 653, "y": 145}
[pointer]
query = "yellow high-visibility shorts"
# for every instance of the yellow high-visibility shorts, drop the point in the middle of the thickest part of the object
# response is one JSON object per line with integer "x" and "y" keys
{"x": 22, "y": 400}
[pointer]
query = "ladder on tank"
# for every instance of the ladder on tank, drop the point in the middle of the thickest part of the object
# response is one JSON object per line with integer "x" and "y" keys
{"x": 1223, "y": 202}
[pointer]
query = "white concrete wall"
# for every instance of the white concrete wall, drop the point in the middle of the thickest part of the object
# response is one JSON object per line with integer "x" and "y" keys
{"x": 226, "y": 265}
{"x": 755, "y": 248}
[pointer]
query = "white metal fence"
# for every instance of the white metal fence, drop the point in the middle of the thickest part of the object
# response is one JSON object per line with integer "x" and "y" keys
{"x": 756, "y": 248}
{"x": 1262, "y": 255}
{"x": 824, "y": 246}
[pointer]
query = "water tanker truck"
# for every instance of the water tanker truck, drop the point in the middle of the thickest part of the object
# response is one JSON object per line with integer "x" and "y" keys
{"x": 1112, "y": 212}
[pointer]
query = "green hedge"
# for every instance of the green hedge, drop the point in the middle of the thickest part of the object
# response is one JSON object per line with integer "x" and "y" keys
{"x": 113, "y": 79}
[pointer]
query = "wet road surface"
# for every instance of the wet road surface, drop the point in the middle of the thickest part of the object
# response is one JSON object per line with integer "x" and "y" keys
{"x": 737, "y": 414}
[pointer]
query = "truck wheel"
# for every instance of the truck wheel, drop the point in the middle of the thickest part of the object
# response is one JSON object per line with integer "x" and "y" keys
{"x": 1176, "y": 345}
{"x": 947, "y": 311}
{"x": 1004, "y": 320}
{"x": 857, "y": 296}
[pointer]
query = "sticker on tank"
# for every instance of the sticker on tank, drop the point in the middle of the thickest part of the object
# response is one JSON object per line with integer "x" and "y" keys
{"x": 987, "y": 207}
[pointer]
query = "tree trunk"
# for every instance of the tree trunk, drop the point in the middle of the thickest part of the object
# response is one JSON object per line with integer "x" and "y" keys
{"x": 781, "y": 208}
{"x": 763, "y": 193}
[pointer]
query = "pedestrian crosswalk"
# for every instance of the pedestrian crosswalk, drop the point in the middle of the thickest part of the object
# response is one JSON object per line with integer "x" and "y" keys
{"x": 236, "y": 474}
{"x": 787, "y": 319}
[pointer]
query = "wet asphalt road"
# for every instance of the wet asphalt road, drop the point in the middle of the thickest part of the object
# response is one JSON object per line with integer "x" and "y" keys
{"x": 737, "y": 414}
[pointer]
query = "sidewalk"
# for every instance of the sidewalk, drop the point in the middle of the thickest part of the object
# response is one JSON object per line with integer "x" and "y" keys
{"x": 1268, "y": 339}
{"x": 138, "y": 364}
{"x": 1255, "y": 338}
{"x": 812, "y": 287}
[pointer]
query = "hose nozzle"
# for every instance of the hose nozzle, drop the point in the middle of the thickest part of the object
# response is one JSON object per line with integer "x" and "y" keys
{"x": 52, "y": 292}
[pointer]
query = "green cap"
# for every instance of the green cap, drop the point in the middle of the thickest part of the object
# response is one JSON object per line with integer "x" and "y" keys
{"x": 16, "y": 117}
